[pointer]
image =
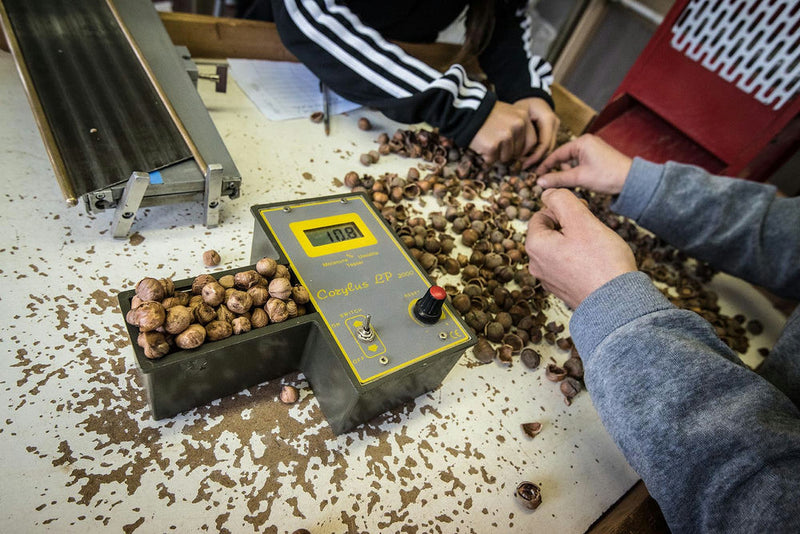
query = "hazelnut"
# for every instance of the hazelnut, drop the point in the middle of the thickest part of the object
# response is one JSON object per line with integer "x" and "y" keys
{"x": 195, "y": 301}
{"x": 494, "y": 331}
{"x": 192, "y": 337}
{"x": 211, "y": 258}
{"x": 183, "y": 297}
{"x": 150, "y": 315}
{"x": 259, "y": 318}
{"x": 365, "y": 159}
{"x": 259, "y": 294}
{"x": 280, "y": 288}
{"x": 266, "y": 267}
{"x": 246, "y": 279}
{"x": 574, "y": 367}
{"x": 168, "y": 285}
{"x": 282, "y": 271}
{"x": 216, "y": 330}
{"x": 291, "y": 308}
{"x": 570, "y": 387}
{"x": 239, "y": 302}
{"x": 530, "y": 358}
{"x": 178, "y": 319}
{"x": 203, "y": 313}
{"x": 242, "y": 325}
{"x": 131, "y": 318}
{"x": 289, "y": 394}
{"x": 150, "y": 289}
{"x": 154, "y": 344}
{"x": 169, "y": 302}
{"x": 300, "y": 294}
{"x": 484, "y": 352}
{"x": 226, "y": 281}
{"x": 364, "y": 124}
{"x": 213, "y": 293}
{"x": 224, "y": 314}
{"x": 276, "y": 309}
{"x": 351, "y": 179}
{"x": 136, "y": 302}
{"x": 200, "y": 281}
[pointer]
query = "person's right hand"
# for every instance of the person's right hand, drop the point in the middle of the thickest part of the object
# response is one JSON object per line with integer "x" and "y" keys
{"x": 506, "y": 134}
{"x": 587, "y": 162}
{"x": 571, "y": 252}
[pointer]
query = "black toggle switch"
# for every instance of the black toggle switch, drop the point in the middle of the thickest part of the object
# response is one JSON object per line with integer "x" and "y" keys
{"x": 428, "y": 309}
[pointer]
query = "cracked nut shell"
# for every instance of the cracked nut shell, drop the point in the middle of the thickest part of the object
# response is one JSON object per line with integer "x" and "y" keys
{"x": 529, "y": 495}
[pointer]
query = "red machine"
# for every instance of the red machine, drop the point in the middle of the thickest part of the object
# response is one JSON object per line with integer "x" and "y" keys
{"x": 717, "y": 86}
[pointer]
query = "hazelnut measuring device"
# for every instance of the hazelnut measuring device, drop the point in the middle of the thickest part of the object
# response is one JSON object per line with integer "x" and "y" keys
{"x": 382, "y": 334}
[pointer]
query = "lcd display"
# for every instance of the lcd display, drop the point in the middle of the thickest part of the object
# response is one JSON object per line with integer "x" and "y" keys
{"x": 336, "y": 233}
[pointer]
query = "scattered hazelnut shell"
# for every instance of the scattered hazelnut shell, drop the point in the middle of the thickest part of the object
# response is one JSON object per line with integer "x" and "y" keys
{"x": 532, "y": 429}
{"x": 364, "y": 124}
{"x": 529, "y": 495}
{"x": 554, "y": 373}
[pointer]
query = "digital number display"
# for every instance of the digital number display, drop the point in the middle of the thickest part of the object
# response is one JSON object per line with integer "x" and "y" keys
{"x": 336, "y": 233}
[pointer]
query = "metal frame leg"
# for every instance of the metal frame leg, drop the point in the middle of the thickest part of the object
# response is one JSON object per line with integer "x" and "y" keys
{"x": 129, "y": 203}
{"x": 212, "y": 194}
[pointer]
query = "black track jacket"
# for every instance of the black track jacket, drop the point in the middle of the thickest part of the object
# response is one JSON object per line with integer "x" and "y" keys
{"x": 347, "y": 45}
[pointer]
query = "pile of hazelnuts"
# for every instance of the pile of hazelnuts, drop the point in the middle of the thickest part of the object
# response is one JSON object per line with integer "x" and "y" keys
{"x": 213, "y": 309}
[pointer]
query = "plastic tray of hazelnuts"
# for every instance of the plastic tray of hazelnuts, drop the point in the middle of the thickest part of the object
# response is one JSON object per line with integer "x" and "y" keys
{"x": 202, "y": 338}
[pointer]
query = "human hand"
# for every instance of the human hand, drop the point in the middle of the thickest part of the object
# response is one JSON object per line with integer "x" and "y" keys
{"x": 571, "y": 252}
{"x": 588, "y": 162}
{"x": 506, "y": 134}
{"x": 546, "y": 122}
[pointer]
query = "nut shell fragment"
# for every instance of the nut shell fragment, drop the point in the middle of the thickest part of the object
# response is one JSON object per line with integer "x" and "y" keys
{"x": 532, "y": 429}
{"x": 529, "y": 495}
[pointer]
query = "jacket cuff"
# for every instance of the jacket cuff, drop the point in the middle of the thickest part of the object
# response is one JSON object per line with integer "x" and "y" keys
{"x": 464, "y": 134}
{"x": 640, "y": 186}
{"x": 614, "y": 304}
{"x": 530, "y": 92}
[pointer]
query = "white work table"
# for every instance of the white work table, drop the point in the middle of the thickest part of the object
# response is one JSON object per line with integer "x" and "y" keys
{"x": 82, "y": 453}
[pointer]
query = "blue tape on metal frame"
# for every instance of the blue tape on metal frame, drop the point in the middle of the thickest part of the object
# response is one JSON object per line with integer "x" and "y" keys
{"x": 155, "y": 178}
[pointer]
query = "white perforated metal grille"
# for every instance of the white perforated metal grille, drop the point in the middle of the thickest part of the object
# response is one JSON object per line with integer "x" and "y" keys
{"x": 752, "y": 44}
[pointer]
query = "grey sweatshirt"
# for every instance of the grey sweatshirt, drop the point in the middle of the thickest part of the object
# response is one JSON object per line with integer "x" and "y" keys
{"x": 717, "y": 445}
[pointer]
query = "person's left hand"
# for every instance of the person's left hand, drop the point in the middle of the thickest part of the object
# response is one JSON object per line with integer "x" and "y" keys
{"x": 546, "y": 122}
{"x": 571, "y": 251}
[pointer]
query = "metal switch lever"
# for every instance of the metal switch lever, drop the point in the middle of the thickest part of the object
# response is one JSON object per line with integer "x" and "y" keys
{"x": 365, "y": 332}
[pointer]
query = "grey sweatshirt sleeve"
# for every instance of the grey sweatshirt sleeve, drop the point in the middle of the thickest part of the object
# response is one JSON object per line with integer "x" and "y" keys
{"x": 717, "y": 445}
{"x": 737, "y": 226}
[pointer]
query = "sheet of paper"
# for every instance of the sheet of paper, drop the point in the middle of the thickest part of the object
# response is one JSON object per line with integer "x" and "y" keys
{"x": 284, "y": 90}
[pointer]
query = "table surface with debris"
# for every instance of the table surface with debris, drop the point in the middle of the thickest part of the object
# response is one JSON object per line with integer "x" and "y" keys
{"x": 82, "y": 452}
